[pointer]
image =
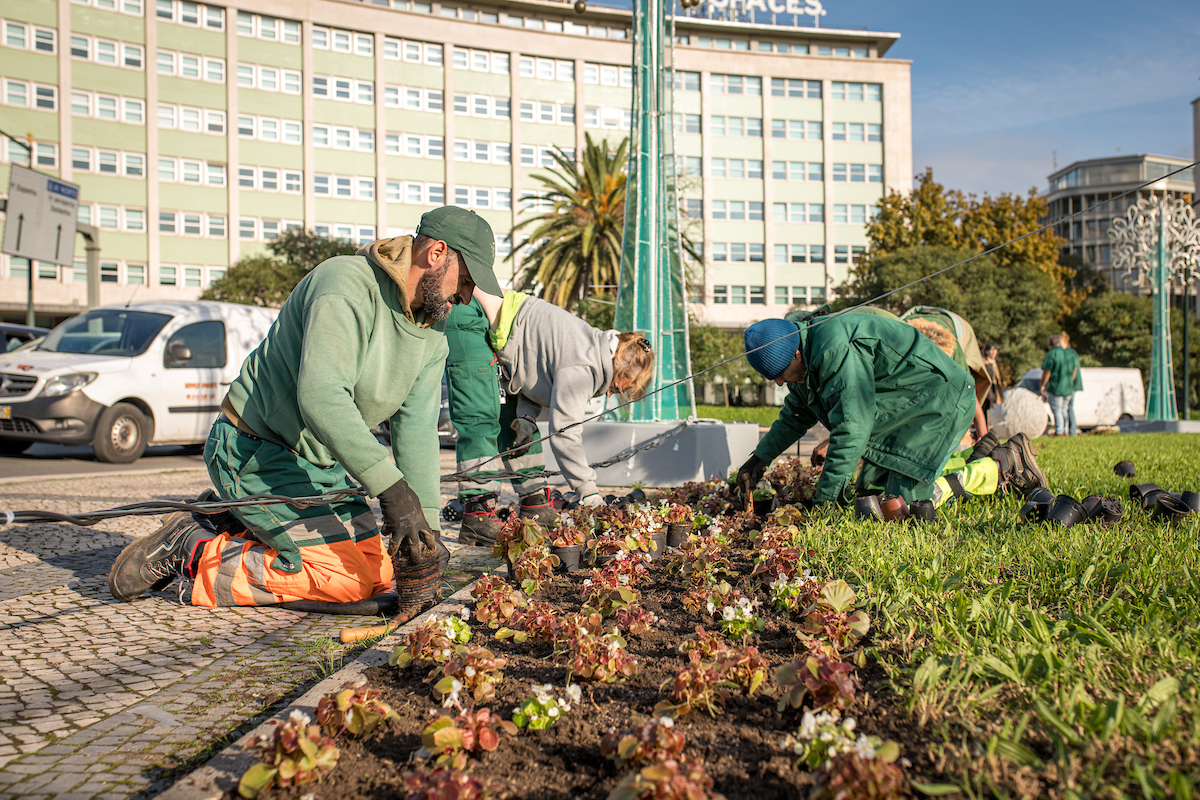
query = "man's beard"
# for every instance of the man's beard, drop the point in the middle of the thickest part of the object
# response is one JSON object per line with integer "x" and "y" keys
{"x": 435, "y": 304}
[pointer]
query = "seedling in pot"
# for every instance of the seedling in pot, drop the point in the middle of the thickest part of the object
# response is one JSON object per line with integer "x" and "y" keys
{"x": 293, "y": 753}
{"x": 833, "y": 619}
{"x": 430, "y": 642}
{"x": 544, "y": 710}
{"x": 739, "y": 619}
{"x": 475, "y": 670}
{"x": 595, "y": 654}
{"x": 538, "y": 621}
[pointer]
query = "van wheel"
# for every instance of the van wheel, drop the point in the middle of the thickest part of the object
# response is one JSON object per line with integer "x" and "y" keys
{"x": 1125, "y": 418}
{"x": 120, "y": 434}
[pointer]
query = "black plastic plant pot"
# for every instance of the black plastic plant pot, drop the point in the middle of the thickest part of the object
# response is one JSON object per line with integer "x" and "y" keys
{"x": 1191, "y": 500}
{"x": 764, "y": 507}
{"x": 1150, "y": 498}
{"x": 1066, "y": 511}
{"x": 1034, "y": 511}
{"x": 1039, "y": 495}
{"x": 660, "y": 545}
{"x": 568, "y": 557}
{"x": 868, "y": 507}
{"x": 636, "y": 496}
{"x": 922, "y": 511}
{"x": 677, "y": 535}
{"x": 1103, "y": 509}
{"x": 1168, "y": 508}
{"x": 1139, "y": 490}
{"x": 1124, "y": 469}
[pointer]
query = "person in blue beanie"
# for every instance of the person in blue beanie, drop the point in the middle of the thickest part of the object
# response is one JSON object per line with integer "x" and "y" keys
{"x": 890, "y": 397}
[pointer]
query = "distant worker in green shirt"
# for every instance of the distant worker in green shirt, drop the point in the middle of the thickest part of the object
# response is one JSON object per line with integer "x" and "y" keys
{"x": 359, "y": 340}
{"x": 1060, "y": 373}
{"x": 890, "y": 398}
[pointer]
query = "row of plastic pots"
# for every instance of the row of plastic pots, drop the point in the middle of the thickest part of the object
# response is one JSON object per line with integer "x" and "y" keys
{"x": 1042, "y": 506}
{"x": 892, "y": 508}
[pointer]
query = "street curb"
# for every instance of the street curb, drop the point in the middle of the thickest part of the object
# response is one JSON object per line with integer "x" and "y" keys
{"x": 223, "y": 772}
{"x": 92, "y": 475}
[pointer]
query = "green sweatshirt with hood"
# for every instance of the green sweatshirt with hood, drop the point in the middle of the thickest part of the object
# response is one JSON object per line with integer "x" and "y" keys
{"x": 886, "y": 393}
{"x": 346, "y": 353}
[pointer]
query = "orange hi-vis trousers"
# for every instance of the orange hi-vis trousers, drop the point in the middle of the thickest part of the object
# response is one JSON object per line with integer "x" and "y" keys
{"x": 331, "y": 553}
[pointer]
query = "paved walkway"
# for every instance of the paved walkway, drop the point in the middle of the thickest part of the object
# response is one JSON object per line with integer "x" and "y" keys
{"x": 107, "y": 699}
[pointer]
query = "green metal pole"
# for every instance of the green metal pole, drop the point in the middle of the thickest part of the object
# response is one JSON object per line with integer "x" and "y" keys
{"x": 1187, "y": 355}
{"x": 1161, "y": 402}
{"x": 650, "y": 290}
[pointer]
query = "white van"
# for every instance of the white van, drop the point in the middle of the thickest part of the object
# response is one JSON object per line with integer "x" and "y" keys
{"x": 122, "y": 377}
{"x": 1109, "y": 394}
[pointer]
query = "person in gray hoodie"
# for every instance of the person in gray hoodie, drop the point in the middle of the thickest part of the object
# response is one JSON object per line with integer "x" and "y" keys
{"x": 550, "y": 359}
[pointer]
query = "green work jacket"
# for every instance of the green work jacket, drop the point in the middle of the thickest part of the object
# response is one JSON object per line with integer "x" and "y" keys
{"x": 886, "y": 393}
{"x": 1063, "y": 371}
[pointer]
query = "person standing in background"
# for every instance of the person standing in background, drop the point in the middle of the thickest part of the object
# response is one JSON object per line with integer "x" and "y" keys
{"x": 1058, "y": 382}
{"x": 995, "y": 393}
{"x": 1073, "y": 428}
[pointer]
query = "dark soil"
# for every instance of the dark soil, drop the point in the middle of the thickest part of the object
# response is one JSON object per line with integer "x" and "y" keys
{"x": 739, "y": 749}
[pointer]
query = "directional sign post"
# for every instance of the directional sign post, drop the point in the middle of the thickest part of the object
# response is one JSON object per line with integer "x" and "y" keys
{"x": 40, "y": 217}
{"x": 39, "y": 222}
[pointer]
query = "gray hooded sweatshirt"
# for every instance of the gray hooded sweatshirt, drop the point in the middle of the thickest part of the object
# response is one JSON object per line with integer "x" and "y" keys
{"x": 555, "y": 360}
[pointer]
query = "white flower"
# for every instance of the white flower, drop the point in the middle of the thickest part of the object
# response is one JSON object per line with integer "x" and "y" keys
{"x": 300, "y": 718}
{"x": 544, "y": 688}
{"x": 546, "y": 700}
{"x": 666, "y": 722}
{"x": 863, "y": 748}
{"x": 446, "y": 653}
{"x": 849, "y": 724}
{"x": 465, "y": 613}
{"x": 587, "y": 583}
{"x": 709, "y": 605}
{"x": 831, "y": 752}
{"x": 455, "y": 685}
{"x": 552, "y": 712}
{"x": 469, "y": 672}
{"x": 574, "y": 693}
{"x": 808, "y": 725}
{"x": 728, "y": 613}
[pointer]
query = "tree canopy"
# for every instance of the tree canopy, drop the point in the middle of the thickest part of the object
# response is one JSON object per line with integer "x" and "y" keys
{"x": 267, "y": 280}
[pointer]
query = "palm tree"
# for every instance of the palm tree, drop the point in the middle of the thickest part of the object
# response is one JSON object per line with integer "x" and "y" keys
{"x": 576, "y": 246}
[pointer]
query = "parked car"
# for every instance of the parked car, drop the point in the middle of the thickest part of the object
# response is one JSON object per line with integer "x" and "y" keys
{"x": 19, "y": 335}
{"x": 122, "y": 377}
{"x": 1109, "y": 394}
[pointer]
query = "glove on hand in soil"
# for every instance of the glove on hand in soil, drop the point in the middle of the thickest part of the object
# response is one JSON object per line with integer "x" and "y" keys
{"x": 404, "y": 522}
{"x": 748, "y": 477}
{"x": 526, "y": 429}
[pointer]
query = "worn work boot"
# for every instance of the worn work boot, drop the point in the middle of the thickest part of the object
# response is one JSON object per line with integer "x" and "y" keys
{"x": 539, "y": 505}
{"x": 984, "y": 447}
{"x": 480, "y": 525}
{"x": 155, "y": 560}
{"x": 1018, "y": 467}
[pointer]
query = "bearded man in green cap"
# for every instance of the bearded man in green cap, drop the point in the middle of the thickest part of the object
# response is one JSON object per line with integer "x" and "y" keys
{"x": 359, "y": 341}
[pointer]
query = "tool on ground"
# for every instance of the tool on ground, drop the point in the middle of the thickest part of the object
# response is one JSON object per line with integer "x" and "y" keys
{"x": 351, "y": 635}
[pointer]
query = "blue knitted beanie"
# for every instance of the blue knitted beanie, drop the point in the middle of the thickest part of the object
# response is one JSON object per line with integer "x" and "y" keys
{"x": 772, "y": 360}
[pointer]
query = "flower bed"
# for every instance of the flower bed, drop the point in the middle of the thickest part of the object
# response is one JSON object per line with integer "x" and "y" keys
{"x": 691, "y": 674}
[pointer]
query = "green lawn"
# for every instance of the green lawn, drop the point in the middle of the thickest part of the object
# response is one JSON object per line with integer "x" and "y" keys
{"x": 763, "y": 415}
{"x": 1038, "y": 661}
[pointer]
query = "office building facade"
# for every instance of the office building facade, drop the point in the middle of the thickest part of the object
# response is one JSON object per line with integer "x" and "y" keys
{"x": 1093, "y": 187}
{"x": 199, "y": 132}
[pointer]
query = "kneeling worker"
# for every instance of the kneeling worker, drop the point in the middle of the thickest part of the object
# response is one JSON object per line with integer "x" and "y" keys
{"x": 359, "y": 340}
{"x": 889, "y": 397}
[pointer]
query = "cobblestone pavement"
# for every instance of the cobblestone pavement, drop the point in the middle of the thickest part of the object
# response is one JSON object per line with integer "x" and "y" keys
{"x": 107, "y": 699}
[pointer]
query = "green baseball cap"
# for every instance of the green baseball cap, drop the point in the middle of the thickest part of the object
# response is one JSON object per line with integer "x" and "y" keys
{"x": 471, "y": 236}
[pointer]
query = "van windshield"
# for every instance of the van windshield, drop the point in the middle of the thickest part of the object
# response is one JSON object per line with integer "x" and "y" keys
{"x": 106, "y": 331}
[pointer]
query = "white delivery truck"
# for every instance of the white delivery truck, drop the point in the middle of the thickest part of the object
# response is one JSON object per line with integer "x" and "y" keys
{"x": 121, "y": 377}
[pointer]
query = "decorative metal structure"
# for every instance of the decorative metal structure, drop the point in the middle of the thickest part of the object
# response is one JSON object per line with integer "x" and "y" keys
{"x": 1156, "y": 244}
{"x": 650, "y": 287}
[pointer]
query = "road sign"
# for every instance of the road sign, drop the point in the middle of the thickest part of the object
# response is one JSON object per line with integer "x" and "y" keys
{"x": 40, "y": 223}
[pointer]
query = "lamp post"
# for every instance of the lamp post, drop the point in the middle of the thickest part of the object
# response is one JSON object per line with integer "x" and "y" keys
{"x": 650, "y": 293}
{"x": 1156, "y": 243}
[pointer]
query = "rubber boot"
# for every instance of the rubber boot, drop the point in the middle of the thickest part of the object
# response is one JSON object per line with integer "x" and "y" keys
{"x": 539, "y": 505}
{"x": 480, "y": 525}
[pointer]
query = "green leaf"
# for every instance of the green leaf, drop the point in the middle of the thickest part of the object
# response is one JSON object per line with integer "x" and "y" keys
{"x": 996, "y": 665}
{"x": 256, "y": 779}
{"x": 1166, "y": 688}
{"x": 838, "y": 595}
{"x": 887, "y": 752}
{"x": 1055, "y": 722}
{"x": 935, "y": 789}
{"x": 1018, "y": 754}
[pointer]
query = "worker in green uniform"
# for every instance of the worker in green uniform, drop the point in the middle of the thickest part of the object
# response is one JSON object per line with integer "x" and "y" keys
{"x": 1060, "y": 372}
{"x": 962, "y": 346}
{"x": 889, "y": 397}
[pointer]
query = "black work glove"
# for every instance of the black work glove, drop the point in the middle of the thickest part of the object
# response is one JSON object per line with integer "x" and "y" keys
{"x": 748, "y": 477}
{"x": 404, "y": 522}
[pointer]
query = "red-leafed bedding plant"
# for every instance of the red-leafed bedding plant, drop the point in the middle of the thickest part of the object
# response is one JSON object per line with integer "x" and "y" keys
{"x": 729, "y": 666}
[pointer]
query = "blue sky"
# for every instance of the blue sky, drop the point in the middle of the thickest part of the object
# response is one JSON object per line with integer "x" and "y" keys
{"x": 1000, "y": 89}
